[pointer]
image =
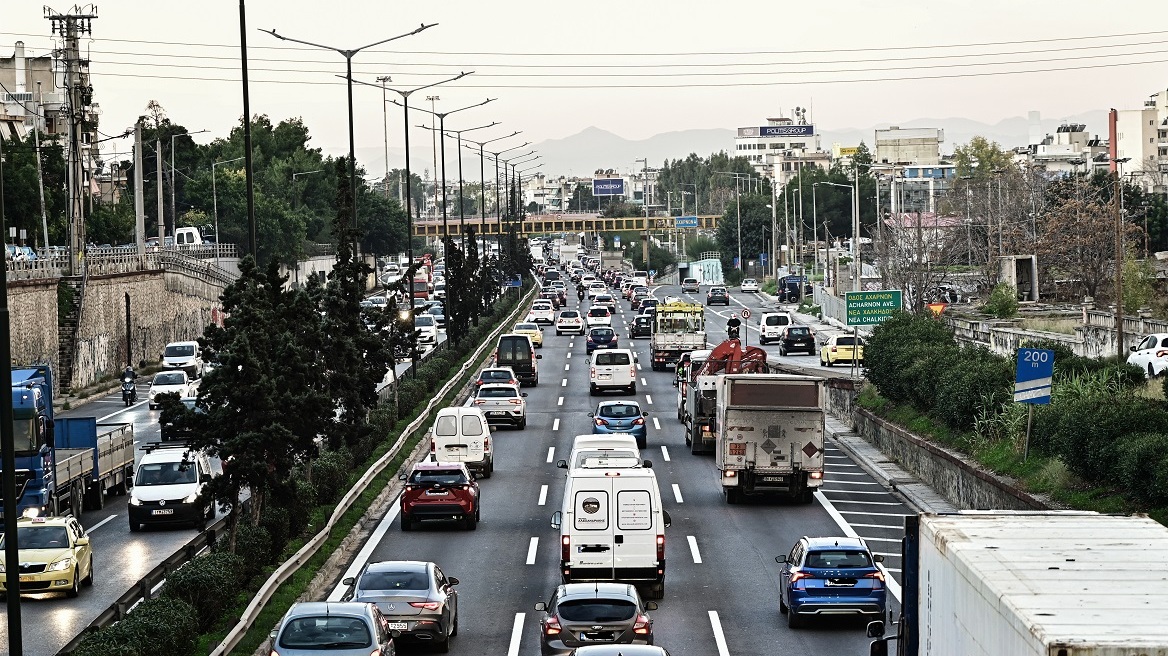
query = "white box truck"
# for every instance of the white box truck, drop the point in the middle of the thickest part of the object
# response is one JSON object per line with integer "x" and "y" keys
{"x": 769, "y": 435}
{"x": 1037, "y": 583}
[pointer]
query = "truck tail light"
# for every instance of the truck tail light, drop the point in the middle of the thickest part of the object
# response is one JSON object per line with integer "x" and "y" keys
{"x": 641, "y": 627}
{"x": 817, "y": 474}
{"x": 660, "y": 547}
{"x": 566, "y": 548}
{"x": 433, "y": 446}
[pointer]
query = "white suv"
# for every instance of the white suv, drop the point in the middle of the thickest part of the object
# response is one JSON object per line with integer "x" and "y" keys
{"x": 542, "y": 312}
{"x": 612, "y": 369}
{"x": 569, "y": 321}
{"x": 749, "y": 285}
{"x": 599, "y": 315}
{"x": 772, "y": 324}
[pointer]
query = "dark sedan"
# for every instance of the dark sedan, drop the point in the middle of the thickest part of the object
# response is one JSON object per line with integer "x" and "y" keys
{"x": 600, "y": 338}
{"x": 580, "y": 614}
{"x": 717, "y": 295}
{"x": 415, "y": 597}
{"x": 642, "y": 326}
{"x": 797, "y": 339}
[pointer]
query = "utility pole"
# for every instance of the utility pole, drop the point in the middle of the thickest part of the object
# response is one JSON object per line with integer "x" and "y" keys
{"x": 645, "y": 201}
{"x": 434, "y": 146}
{"x": 1117, "y": 202}
{"x": 40, "y": 172}
{"x": 385, "y": 125}
{"x": 139, "y": 192}
{"x": 158, "y": 175}
{"x": 70, "y": 27}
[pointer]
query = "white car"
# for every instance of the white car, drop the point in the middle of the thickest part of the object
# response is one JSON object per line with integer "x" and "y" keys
{"x": 595, "y": 289}
{"x": 542, "y": 312}
{"x": 169, "y": 382}
{"x": 599, "y": 315}
{"x": 605, "y": 300}
{"x": 612, "y": 369}
{"x": 502, "y": 404}
{"x": 749, "y": 285}
{"x": 427, "y": 329}
{"x": 1151, "y": 354}
{"x": 569, "y": 321}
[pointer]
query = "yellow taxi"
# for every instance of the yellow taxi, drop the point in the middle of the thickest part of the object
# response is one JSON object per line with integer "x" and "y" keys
{"x": 55, "y": 555}
{"x": 531, "y": 330}
{"x": 842, "y": 348}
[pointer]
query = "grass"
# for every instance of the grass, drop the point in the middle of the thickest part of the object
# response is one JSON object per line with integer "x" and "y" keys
{"x": 1038, "y": 474}
{"x": 1153, "y": 389}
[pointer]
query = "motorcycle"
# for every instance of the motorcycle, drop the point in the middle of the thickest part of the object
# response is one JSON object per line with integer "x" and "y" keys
{"x": 580, "y": 295}
{"x": 129, "y": 391}
{"x": 732, "y": 332}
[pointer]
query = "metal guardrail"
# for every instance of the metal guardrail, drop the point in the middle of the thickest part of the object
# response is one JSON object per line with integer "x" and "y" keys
{"x": 290, "y": 566}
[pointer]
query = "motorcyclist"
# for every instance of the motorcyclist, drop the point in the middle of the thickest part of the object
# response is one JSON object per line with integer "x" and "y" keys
{"x": 128, "y": 375}
{"x": 580, "y": 290}
{"x": 732, "y": 327}
{"x": 129, "y": 390}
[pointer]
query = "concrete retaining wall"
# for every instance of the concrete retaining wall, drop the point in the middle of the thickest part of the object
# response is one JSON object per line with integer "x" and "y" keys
{"x": 32, "y": 306}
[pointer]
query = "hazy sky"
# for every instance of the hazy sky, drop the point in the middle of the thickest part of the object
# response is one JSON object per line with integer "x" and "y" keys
{"x": 634, "y": 58}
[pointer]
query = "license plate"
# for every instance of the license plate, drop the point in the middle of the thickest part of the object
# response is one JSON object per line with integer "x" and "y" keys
{"x": 162, "y": 511}
{"x": 605, "y": 377}
{"x": 432, "y": 493}
{"x": 496, "y": 414}
{"x": 400, "y": 626}
{"x": 737, "y": 449}
{"x": 839, "y": 583}
{"x": 774, "y": 479}
{"x": 27, "y": 579}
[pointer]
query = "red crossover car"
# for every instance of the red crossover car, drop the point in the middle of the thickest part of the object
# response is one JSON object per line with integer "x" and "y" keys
{"x": 442, "y": 491}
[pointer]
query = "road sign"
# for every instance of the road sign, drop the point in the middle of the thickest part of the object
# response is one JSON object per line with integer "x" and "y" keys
{"x": 745, "y": 313}
{"x": 517, "y": 281}
{"x": 937, "y": 308}
{"x": 1033, "y": 378}
{"x": 871, "y": 308}
{"x": 685, "y": 222}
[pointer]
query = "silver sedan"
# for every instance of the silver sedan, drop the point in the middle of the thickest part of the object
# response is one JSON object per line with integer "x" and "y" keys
{"x": 416, "y": 597}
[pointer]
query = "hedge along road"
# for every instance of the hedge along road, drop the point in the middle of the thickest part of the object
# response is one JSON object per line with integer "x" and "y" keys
{"x": 721, "y": 577}
{"x": 121, "y": 558}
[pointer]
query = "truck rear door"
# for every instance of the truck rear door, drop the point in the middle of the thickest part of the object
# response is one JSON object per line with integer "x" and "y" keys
{"x": 634, "y": 536}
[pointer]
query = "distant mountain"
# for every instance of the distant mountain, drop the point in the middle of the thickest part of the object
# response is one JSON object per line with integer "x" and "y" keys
{"x": 593, "y": 148}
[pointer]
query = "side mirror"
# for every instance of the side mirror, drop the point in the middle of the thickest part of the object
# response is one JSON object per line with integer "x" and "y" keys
{"x": 541, "y": 606}
{"x": 81, "y": 542}
{"x": 452, "y": 580}
{"x": 780, "y": 559}
{"x": 1132, "y": 348}
{"x": 665, "y": 516}
{"x": 645, "y": 413}
{"x": 349, "y": 581}
{"x": 557, "y": 519}
{"x": 650, "y": 605}
{"x": 562, "y": 464}
{"x": 592, "y": 415}
{"x": 538, "y": 356}
{"x": 876, "y": 629}
{"x": 523, "y": 394}
{"x": 401, "y": 477}
{"x": 878, "y": 558}
{"x": 647, "y": 464}
{"x": 272, "y": 635}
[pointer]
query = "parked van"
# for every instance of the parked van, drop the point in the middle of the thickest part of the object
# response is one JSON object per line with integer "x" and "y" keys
{"x": 771, "y": 325}
{"x": 187, "y": 237}
{"x": 612, "y": 369}
{"x": 612, "y": 528}
{"x": 606, "y": 451}
{"x": 461, "y": 434}
{"x": 517, "y": 352}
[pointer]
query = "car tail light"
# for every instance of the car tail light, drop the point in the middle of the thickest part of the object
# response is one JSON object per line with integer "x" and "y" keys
{"x": 796, "y": 576}
{"x": 479, "y": 402}
{"x": 512, "y": 382}
{"x": 632, "y": 370}
{"x": 833, "y": 349}
{"x": 433, "y": 446}
{"x": 640, "y": 421}
{"x": 515, "y": 401}
{"x": 601, "y": 422}
{"x": 426, "y": 605}
{"x": 641, "y": 627}
{"x": 565, "y": 548}
{"x": 593, "y": 372}
{"x": 660, "y": 547}
{"x": 878, "y": 575}
{"x": 552, "y": 626}
{"x": 487, "y": 443}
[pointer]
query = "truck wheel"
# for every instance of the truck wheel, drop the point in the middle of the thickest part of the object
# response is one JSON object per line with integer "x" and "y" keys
{"x": 656, "y": 591}
{"x": 807, "y": 495}
{"x": 96, "y": 496}
{"x": 76, "y": 505}
{"x": 688, "y": 440}
{"x": 733, "y": 495}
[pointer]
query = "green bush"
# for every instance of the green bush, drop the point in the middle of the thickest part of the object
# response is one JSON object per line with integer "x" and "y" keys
{"x": 1143, "y": 467}
{"x": 254, "y": 545}
{"x": 157, "y": 626}
{"x": 922, "y": 366}
{"x": 972, "y": 381}
{"x": 277, "y": 520}
{"x": 330, "y": 473}
{"x": 732, "y": 277}
{"x": 1086, "y": 431}
{"x": 1003, "y": 302}
{"x": 887, "y": 353}
{"x": 202, "y": 583}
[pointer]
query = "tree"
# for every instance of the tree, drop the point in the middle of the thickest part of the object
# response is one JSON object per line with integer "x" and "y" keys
{"x": 981, "y": 158}
{"x": 111, "y": 223}
{"x": 1074, "y": 245}
{"x": 756, "y": 227}
{"x": 696, "y": 246}
{"x": 22, "y": 204}
{"x": 863, "y": 158}
{"x": 583, "y": 200}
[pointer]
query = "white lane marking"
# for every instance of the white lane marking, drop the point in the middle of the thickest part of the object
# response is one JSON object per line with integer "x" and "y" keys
{"x": 870, "y": 503}
{"x": 838, "y": 473}
{"x": 367, "y": 550}
{"x": 719, "y": 636}
{"x": 114, "y": 414}
{"x": 854, "y": 492}
{"x": 656, "y": 424}
{"x": 889, "y": 582}
{"x": 895, "y": 527}
{"x": 517, "y": 635}
{"x": 560, "y": 401}
{"x": 693, "y": 549}
{"x": 872, "y": 514}
{"x": 570, "y": 344}
{"x": 542, "y": 495}
{"x": 564, "y": 383}
{"x": 677, "y": 494}
{"x": 569, "y": 355}
{"x": 567, "y": 366}
{"x": 649, "y": 399}
{"x": 531, "y": 551}
{"x": 551, "y": 453}
{"x": 100, "y": 524}
{"x": 638, "y": 366}
{"x": 892, "y": 569}
{"x": 871, "y": 539}
{"x": 643, "y": 381}
{"x": 665, "y": 452}
{"x": 853, "y": 483}
{"x": 556, "y": 424}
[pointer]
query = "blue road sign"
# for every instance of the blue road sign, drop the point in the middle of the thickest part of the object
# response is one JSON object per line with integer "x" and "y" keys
{"x": 685, "y": 222}
{"x": 1035, "y": 371}
{"x": 516, "y": 281}
{"x": 608, "y": 187}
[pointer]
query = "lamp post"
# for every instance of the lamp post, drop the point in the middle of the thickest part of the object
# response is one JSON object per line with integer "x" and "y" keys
{"x": 442, "y": 128}
{"x": 385, "y": 128}
{"x": 173, "y": 211}
{"x": 215, "y": 206}
{"x": 461, "y": 209}
{"x": 483, "y": 173}
{"x": 1117, "y": 202}
{"x": 738, "y": 206}
{"x": 348, "y": 55}
{"x": 857, "y": 267}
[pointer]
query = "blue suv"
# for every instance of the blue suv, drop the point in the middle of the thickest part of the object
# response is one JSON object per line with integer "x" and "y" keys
{"x": 831, "y": 576}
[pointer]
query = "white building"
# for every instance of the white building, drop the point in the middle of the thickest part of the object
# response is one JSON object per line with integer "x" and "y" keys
{"x": 779, "y": 149}
{"x": 1142, "y": 135}
{"x": 1070, "y": 149}
{"x": 908, "y": 146}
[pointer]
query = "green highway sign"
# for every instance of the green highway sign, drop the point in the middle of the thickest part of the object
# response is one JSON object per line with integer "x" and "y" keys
{"x": 871, "y": 308}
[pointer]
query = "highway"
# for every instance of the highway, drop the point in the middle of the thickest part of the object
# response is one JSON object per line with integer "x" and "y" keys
{"x": 721, "y": 595}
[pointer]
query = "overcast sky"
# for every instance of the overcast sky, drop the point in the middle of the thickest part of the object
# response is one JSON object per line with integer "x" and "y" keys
{"x": 634, "y": 60}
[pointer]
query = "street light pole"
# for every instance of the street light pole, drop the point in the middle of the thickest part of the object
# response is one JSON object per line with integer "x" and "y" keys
{"x": 483, "y": 175}
{"x": 857, "y": 267}
{"x": 385, "y": 128}
{"x": 173, "y": 211}
{"x": 461, "y": 209}
{"x": 645, "y": 202}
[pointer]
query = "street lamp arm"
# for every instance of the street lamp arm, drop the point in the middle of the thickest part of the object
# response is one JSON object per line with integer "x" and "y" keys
{"x": 307, "y": 43}
{"x": 343, "y": 52}
{"x": 407, "y": 92}
{"x": 395, "y": 38}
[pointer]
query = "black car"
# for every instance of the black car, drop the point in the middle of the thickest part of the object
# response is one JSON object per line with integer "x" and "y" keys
{"x": 599, "y": 338}
{"x": 580, "y": 614}
{"x": 642, "y": 326}
{"x": 797, "y": 339}
{"x": 718, "y": 295}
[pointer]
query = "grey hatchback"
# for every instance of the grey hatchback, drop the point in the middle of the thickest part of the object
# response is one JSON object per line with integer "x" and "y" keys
{"x": 416, "y": 598}
{"x": 335, "y": 628}
{"x": 581, "y": 614}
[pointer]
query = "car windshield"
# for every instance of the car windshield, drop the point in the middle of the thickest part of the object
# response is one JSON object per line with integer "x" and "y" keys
{"x": 436, "y": 311}
{"x": 596, "y": 610}
{"x": 424, "y": 320}
{"x": 169, "y": 379}
{"x": 848, "y": 341}
{"x": 598, "y": 312}
{"x": 570, "y": 315}
{"x": 40, "y": 537}
{"x": 838, "y": 559}
{"x": 542, "y": 306}
{"x": 415, "y": 580}
{"x": 620, "y": 411}
{"x": 495, "y": 374}
{"x": 610, "y": 358}
{"x": 497, "y": 393}
{"x": 180, "y": 351}
{"x": 165, "y": 473}
{"x": 529, "y": 327}
{"x": 440, "y": 476}
{"x": 326, "y": 632}
{"x": 777, "y": 320}
{"x": 603, "y": 333}
{"x": 717, "y": 290}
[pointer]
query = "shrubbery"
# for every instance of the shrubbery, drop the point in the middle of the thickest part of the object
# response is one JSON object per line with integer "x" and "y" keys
{"x": 1003, "y": 301}
{"x": 204, "y": 584}
{"x": 156, "y": 626}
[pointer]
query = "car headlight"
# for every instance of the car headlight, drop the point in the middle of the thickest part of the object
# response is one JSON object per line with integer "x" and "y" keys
{"x": 2, "y": 571}
{"x": 60, "y": 565}
{"x": 191, "y": 498}
{"x": 152, "y": 393}
{"x": 135, "y": 501}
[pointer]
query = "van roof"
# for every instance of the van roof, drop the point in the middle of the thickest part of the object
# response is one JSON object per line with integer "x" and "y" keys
{"x": 459, "y": 410}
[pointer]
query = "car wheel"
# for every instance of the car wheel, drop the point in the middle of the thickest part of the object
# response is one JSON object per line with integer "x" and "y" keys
{"x": 794, "y": 621}
{"x": 470, "y": 522}
{"x": 407, "y": 524}
{"x": 88, "y": 580}
{"x": 454, "y": 623}
{"x": 591, "y": 390}
{"x": 135, "y": 526}
{"x": 152, "y": 406}
{"x": 829, "y": 362}
{"x": 76, "y": 589}
{"x": 643, "y": 444}
{"x": 523, "y": 423}
{"x": 444, "y": 646}
{"x": 782, "y": 605}
{"x": 1151, "y": 371}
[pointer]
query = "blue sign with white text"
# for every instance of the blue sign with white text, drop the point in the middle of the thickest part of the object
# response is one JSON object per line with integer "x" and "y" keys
{"x": 1035, "y": 372}
{"x": 685, "y": 222}
{"x": 787, "y": 131}
{"x": 608, "y": 187}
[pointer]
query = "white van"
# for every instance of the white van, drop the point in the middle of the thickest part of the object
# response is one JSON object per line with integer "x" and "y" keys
{"x": 612, "y": 528}
{"x": 187, "y": 237}
{"x": 604, "y": 451}
{"x": 184, "y": 355}
{"x": 169, "y": 487}
{"x": 612, "y": 369}
{"x": 771, "y": 325}
{"x": 461, "y": 434}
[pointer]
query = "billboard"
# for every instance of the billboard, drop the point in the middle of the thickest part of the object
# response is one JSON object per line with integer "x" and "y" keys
{"x": 778, "y": 131}
{"x": 608, "y": 187}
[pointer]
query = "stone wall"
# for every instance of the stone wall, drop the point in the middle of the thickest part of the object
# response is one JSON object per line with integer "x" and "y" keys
{"x": 164, "y": 307}
{"x": 32, "y": 308}
{"x": 962, "y": 482}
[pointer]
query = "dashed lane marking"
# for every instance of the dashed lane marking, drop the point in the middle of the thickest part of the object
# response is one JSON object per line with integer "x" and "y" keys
{"x": 693, "y": 549}
{"x": 665, "y": 452}
{"x": 556, "y": 424}
{"x": 560, "y": 401}
{"x": 551, "y": 453}
{"x": 649, "y": 399}
{"x": 677, "y": 494}
{"x": 719, "y": 636}
{"x": 542, "y": 495}
{"x": 656, "y": 424}
{"x": 517, "y": 635}
{"x": 531, "y": 550}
